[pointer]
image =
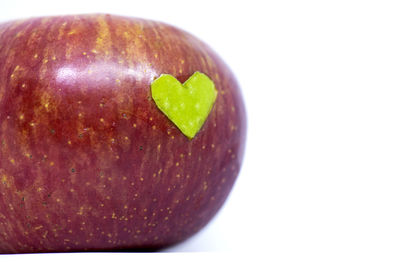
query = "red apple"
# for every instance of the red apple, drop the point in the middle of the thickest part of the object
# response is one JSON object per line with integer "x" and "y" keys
{"x": 87, "y": 160}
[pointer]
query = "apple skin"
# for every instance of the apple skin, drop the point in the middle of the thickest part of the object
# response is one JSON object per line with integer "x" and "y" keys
{"x": 87, "y": 160}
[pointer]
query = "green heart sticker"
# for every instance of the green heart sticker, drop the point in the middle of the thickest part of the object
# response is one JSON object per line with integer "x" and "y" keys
{"x": 187, "y": 105}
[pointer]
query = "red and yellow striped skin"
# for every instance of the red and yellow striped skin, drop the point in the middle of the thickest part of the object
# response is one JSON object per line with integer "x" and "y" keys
{"x": 87, "y": 161}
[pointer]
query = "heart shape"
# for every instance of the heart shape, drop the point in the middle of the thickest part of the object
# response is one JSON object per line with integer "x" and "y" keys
{"x": 187, "y": 105}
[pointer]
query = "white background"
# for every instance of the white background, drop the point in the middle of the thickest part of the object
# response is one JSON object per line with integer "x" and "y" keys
{"x": 320, "y": 184}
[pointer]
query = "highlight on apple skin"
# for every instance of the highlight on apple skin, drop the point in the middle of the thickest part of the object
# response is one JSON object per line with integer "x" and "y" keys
{"x": 87, "y": 160}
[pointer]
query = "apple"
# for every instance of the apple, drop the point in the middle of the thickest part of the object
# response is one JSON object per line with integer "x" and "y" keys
{"x": 90, "y": 159}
